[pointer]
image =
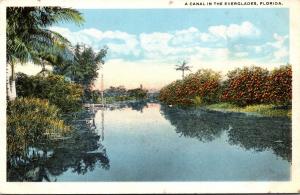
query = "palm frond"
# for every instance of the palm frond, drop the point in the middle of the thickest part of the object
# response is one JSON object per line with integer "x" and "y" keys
{"x": 27, "y": 32}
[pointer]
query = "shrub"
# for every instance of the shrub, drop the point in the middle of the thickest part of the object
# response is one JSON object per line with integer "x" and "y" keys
{"x": 92, "y": 96}
{"x": 30, "y": 123}
{"x": 256, "y": 85}
{"x": 174, "y": 94}
{"x": 197, "y": 101}
{"x": 243, "y": 86}
{"x": 137, "y": 93}
{"x": 204, "y": 84}
{"x": 246, "y": 86}
{"x": 279, "y": 85}
{"x": 67, "y": 96}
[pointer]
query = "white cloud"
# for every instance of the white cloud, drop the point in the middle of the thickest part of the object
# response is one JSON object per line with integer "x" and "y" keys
{"x": 206, "y": 37}
{"x": 271, "y": 51}
{"x": 205, "y": 46}
{"x": 279, "y": 47}
{"x": 185, "y": 36}
{"x": 246, "y": 29}
{"x": 279, "y": 41}
{"x": 210, "y": 54}
{"x": 176, "y": 44}
{"x": 156, "y": 42}
{"x": 119, "y": 43}
{"x": 218, "y": 31}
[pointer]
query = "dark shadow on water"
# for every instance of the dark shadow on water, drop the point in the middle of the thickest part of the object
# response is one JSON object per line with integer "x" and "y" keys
{"x": 249, "y": 132}
{"x": 137, "y": 105}
{"x": 80, "y": 152}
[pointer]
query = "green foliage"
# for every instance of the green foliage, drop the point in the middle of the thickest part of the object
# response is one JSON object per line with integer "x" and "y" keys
{"x": 115, "y": 91}
{"x": 28, "y": 37}
{"x": 205, "y": 84}
{"x": 183, "y": 67}
{"x": 30, "y": 123}
{"x": 137, "y": 93}
{"x": 92, "y": 96}
{"x": 197, "y": 101}
{"x": 96, "y": 96}
{"x": 84, "y": 70}
{"x": 120, "y": 93}
{"x": 66, "y": 96}
{"x": 27, "y": 31}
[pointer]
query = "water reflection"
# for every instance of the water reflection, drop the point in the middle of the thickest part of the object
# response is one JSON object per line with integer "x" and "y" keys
{"x": 131, "y": 147}
{"x": 249, "y": 132}
{"x": 205, "y": 126}
{"x": 138, "y": 106}
{"x": 134, "y": 105}
{"x": 80, "y": 152}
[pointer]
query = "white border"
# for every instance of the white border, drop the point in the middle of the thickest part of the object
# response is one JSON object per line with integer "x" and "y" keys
{"x": 154, "y": 187}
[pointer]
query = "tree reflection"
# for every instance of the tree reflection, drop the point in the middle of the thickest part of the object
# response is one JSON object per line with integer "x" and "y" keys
{"x": 134, "y": 105}
{"x": 249, "y": 132}
{"x": 195, "y": 123}
{"x": 80, "y": 152}
{"x": 138, "y": 105}
{"x": 262, "y": 133}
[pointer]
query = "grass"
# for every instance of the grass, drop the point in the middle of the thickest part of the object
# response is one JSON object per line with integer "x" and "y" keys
{"x": 263, "y": 109}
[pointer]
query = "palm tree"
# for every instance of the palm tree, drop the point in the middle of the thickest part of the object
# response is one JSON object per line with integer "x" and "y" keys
{"x": 56, "y": 55}
{"x": 28, "y": 36}
{"x": 183, "y": 67}
{"x": 84, "y": 69}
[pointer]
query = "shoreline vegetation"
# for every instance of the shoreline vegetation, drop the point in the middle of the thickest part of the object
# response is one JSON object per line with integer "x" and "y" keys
{"x": 38, "y": 106}
{"x": 43, "y": 110}
{"x": 270, "y": 110}
{"x": 247, "y": 90}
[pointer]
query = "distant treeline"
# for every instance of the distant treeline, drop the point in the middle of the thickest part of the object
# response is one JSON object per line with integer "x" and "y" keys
{"x": 120, "y": 93}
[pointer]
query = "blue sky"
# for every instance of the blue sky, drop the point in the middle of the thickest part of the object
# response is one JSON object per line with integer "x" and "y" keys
{"x": 149, "y": 42}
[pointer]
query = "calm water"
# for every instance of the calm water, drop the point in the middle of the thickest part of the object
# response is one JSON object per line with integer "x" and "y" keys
{"x": 150, "y": 142}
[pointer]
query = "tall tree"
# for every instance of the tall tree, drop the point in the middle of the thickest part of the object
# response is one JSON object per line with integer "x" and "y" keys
{"x": 183, "y": 67}
{"x": 84, "y": 69}
{"x": 28, "y": 36}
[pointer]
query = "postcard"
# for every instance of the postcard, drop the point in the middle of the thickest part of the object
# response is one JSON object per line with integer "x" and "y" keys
{"x": 137, "y": 96}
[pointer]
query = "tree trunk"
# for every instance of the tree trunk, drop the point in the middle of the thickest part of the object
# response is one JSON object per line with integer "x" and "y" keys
{"x": 182, "y": 74}
{"x": 8, "y": 90}
{"x": 102, "y": 90}
{"x": 13, "y": 82}
{"x": 13, "y": 90}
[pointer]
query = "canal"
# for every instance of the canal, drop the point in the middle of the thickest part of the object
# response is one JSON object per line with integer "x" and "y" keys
{"x": 153, "y": 142}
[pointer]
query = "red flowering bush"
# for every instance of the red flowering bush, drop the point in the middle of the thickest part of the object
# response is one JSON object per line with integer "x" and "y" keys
{"x": 204, "y": 84}
{"x": 279, "y": 85}
{"x": 257, "y": 85}
{"x": 245, "y": 86}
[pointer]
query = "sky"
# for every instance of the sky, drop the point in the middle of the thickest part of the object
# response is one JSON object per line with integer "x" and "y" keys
{"x": 146, "y": 44}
